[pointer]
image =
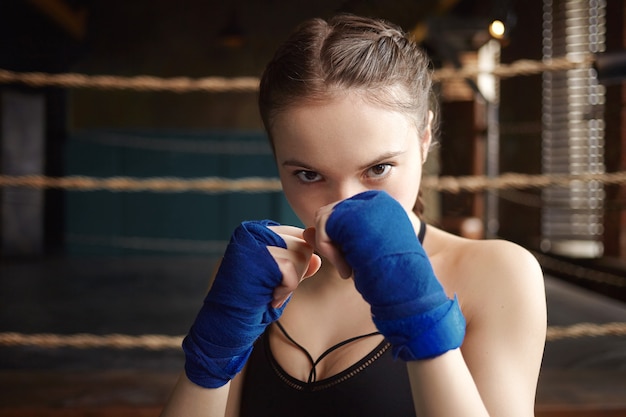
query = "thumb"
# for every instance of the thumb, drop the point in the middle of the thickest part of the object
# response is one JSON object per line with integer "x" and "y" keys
{"x": 329, "y": 251}
{"x": 315, "y": 264}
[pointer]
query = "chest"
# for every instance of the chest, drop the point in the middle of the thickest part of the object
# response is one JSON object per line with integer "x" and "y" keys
{"x": 321, "y": 337}
{"x": 377, "y": 385}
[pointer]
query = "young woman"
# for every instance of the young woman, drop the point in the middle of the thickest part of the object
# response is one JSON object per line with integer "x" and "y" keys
{"x": 368, "y": 311}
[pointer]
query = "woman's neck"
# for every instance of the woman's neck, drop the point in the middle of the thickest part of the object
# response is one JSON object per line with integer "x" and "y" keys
{"x": 327, "y": 279}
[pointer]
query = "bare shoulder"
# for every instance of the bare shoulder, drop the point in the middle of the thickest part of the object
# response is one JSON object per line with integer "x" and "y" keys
{"x": 499, "y": 259}
{"x": 482, "y": 270}
{"x": 500, "y": 288}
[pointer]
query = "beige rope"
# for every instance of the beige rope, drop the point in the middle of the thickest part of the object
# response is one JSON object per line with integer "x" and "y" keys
{"x": 163, "y": 342}
{"x": 522, "y": 67}
{"x": 517, "y": 181}
{"x": 580, "y": 330}
{"x": 91, "y": 341}
{"x": 137, "y": 83}
{"x": 254, "y": 184}
{"x": 250, "y": 84}
{"x": 80, "y": 183}
{"x": 580, "y": 272}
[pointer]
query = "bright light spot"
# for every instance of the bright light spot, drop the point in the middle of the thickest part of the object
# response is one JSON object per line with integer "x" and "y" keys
{"x": 496, "y": 29}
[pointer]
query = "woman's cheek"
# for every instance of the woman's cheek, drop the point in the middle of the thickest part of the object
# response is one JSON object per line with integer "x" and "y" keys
{"x": 406, "y": 199}
{"x": 303, "y": 210}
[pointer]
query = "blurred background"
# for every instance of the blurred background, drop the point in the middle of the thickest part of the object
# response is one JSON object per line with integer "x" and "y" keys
{"x": 102, "y": 262}
{"x": 101, "y": 133}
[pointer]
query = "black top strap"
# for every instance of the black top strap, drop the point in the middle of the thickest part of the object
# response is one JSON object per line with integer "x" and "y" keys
{"x": 422, "y": 232}
{"x": 313, "y": 373}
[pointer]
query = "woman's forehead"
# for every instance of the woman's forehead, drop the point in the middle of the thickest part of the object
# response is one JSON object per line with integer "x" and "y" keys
{"x": 341, "y": 132}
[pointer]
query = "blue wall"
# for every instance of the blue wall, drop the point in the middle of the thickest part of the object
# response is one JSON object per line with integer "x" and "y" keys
{"x": 104, "y": 222}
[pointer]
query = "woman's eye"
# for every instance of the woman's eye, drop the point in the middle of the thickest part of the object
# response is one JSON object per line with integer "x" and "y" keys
{"x": 379, "y": 170}
{"x": 308, "y": 176}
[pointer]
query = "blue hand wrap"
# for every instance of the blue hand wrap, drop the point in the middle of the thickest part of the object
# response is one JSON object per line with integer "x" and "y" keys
{"x": 237, "y": 308}
{"x": 394, "y": 275}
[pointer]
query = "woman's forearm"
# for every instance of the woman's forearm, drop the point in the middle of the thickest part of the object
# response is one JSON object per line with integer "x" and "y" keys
{"x": 443, "y": 386}
{"x": 191, "y": 400}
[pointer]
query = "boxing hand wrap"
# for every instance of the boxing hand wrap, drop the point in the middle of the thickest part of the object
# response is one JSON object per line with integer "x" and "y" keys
{"x": 237, "y": 308}
{"x": 394, "y": 275}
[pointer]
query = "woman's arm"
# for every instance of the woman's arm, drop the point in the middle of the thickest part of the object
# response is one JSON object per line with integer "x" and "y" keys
{"x": 443, "y": 386}
{"x": 191, "y": 400}
{"x": 500, "y": 327}
{"x": 495, "y": 373}
{"x": 262, "y": 265}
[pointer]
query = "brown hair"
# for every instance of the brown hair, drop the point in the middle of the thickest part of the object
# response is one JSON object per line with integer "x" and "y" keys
{"x": 350, "y": 52}
{"x": 323, "y": 58}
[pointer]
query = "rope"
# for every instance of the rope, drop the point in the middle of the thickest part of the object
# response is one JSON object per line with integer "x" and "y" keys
{"x": 148, "y": 83}
{"x": 580, "y": 272}
{"x": 157, "y": 342}
{"x": 517, "y": 181}
{"x": 523, "y": 67}
{"x": 580, "y": 330}
{"x": 91, "y": 341}
{"x": 162, "y": 185}
{"x": 143, "y": 83}
{"x": 254, "y": 184}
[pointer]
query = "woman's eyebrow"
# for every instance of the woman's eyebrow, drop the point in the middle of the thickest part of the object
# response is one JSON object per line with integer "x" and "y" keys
{"x": 374, "y": 161}
{"x": 382, "y": 158}
{"x": 297, "y": 163}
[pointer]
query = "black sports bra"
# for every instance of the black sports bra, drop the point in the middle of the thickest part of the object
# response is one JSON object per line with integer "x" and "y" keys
{"x": 377, "y": 385}
{"x": 313, "y": 374}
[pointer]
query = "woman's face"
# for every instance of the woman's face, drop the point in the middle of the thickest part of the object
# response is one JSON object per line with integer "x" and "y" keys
{"x": 329, "y": 152}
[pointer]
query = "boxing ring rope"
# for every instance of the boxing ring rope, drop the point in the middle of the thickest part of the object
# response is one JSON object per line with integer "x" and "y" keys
{"x": 157, "y": 342}
{"x": 258, "y": 185}
{"x": 250, "y": 84}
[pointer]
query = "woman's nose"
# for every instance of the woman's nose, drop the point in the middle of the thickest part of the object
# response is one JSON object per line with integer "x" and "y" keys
{"x": 345, "y": 190}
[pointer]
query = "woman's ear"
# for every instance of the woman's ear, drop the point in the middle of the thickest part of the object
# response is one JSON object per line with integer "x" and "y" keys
{"x": 427, "y": 136}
